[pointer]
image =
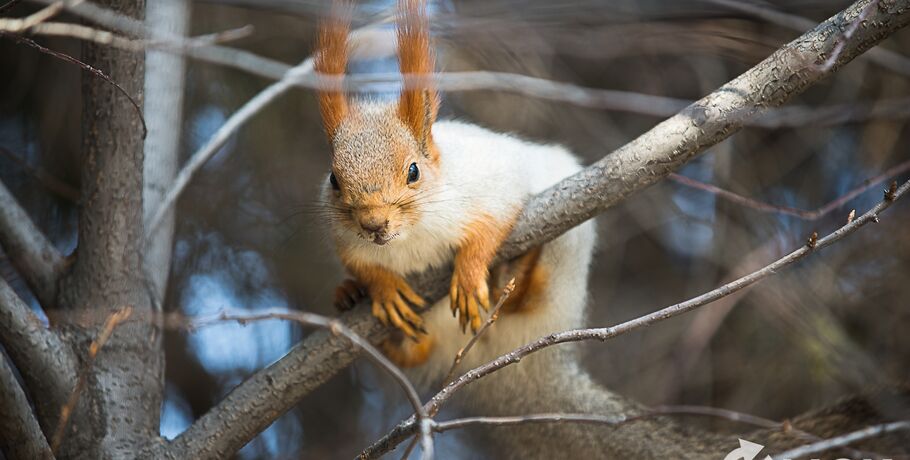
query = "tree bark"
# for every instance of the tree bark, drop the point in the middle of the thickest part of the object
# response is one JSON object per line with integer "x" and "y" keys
{"x": 164, "y": 90}
{"x": 21, "y": 436}
{"x": 120, "y": 406}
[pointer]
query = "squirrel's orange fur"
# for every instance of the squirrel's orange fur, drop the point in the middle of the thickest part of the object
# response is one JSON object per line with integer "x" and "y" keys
{"x": 417, "y": 107}
{"x": 332, "y": 59}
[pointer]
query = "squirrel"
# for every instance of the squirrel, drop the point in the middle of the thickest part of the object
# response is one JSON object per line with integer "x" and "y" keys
{"x": 406, "y": 193}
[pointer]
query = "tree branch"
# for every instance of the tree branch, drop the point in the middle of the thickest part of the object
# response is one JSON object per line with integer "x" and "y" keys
{"x": 629, "y": 169}
{"x": 803, "y": 214}
{"x": 881, "y": 56}
{"x": 47, "y": 364}
{"x": 407, "y": 427}
{"x": 36, "y": 259}
{"x": 841, "y": 441}
{"x": 20, "y": 435}
{"x": 224, "y": 133}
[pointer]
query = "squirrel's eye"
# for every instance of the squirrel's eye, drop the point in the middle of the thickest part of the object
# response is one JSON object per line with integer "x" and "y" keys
{"x": 413, "y": 173}
{"x": 333, "y": 181}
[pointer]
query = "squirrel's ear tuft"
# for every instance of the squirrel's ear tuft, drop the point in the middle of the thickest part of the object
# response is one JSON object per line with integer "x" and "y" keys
{"x": 332, "y": 59}
{"x": 417, "y": 107}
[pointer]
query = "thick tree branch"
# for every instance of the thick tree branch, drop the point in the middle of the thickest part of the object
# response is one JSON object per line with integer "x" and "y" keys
{"x": 47, "y": 365}
{"x": 20, "y": 435}
{"x": 272, "y": 391}
{"x": 35, "y": 258}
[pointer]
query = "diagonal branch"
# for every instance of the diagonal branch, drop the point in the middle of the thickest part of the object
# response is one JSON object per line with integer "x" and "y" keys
{"x": 20, "y": 435}
{"x": 36, "y": 259}
{"x": 844, "y": 440}
{"x": 631, "y": 168}
{"x": 47, "y": 365}
{"x": 810, "y": 215}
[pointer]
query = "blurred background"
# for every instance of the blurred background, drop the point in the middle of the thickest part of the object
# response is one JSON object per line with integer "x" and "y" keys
{"x": 829, "y": 326}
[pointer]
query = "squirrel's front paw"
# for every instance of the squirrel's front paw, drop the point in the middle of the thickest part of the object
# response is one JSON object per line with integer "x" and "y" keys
{"x": 469, "y": 293}
{"x": 389, "y": 305}
{"x": 348, "y": 294}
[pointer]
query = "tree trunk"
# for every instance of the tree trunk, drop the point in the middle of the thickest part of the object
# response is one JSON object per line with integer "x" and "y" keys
{"x": 119, "y": 407}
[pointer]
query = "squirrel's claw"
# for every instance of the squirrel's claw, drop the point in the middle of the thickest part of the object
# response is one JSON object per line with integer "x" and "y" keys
{"x": 466, "y": 300}
{"x": 348, "y": 294}
{"x": 392, "y": 309}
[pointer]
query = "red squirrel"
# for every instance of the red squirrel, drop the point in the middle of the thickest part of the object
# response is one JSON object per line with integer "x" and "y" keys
{"x": 407, "y": 192}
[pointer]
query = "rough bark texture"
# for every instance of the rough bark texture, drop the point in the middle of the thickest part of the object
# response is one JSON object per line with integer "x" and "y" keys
{"x": 120, "y": 405}
{"x": 28, "y": 249}
{"x": 46, "y": 363}
{"x": 164, "y": 90}
{"x": 21, "y": 436}
{"x": 631, "y": 168}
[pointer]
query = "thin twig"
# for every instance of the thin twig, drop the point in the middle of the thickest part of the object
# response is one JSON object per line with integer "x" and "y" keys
{"x": 104, "y": 37}
{"x": 221, "y": 136}
{"x": 842, "y": 40}
{"x": 809, "y": 215}
{"x": 94, "y": 71}
{"x": 623, "y": 101}
{"x": 15, "y": 25}
{"x": 233, "y": 124}
{"x": 410, "y": 448}
{"x": 506, "y": 291}
{"x": 50, "y": 182}
{"x": 112, "y": 321}
{"x": 336, "y": 327}
{"x": 407, "y": 427}
{"x": 882, "y": 56}
{"x": 6, "y": 6}
{"x": 843, "y": 440}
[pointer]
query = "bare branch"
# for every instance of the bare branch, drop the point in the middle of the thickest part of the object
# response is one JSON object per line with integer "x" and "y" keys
{"x": 622, "y": 101}
{"x": 336, "y": 328}
{"x": 884, "y": 57}
{"x": 659, "y": 411}
{"x": 92, "y": 70}
{"x": 234, "y": 123}
{"x": 629, "y": 169}
{"x": 20, "y": 434}
{"x": 809, "y": 215}
{"x": 46, "y": 179}
{"x": 22, "y": 25}
{"x": 407, "y": 427}
{"x": 841, "y": 441}
{"x": 47, "y": 365}
{"x": 31, "y": 253}
{"x": 104, "y": 37}
{"x": 236, "y": 120}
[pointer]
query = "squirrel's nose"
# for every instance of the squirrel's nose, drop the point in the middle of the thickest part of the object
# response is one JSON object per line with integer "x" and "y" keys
{"x": 373, "y": 224}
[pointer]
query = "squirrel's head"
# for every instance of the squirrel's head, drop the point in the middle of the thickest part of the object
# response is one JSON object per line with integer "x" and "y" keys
{"x": 384, "y": 161}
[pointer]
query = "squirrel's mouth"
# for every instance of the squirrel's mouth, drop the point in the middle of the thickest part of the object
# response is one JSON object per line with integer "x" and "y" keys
{"x": 381, "y": 240}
